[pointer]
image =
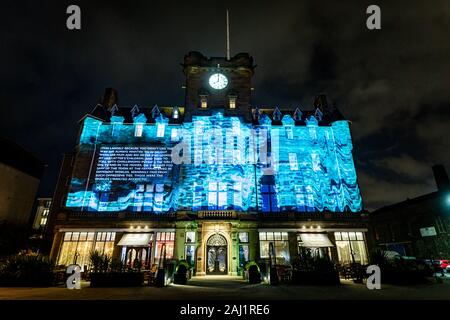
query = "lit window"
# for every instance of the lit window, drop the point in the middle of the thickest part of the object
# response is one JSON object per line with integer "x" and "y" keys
{"x": 175, "y": 113}
{"x": 232, "y": 102}
{"x": 217, "y": 195}
{"x": 190, "y": 237}
{"x": 293, "y": 161}
{"x": 309, "y": 199}
{"x": 351, "y": 247}
{"x": 243, "y": 237}
{"x": 280, "y": 246}
{"x": 315, "y": 162}
{"x": 160, "y": 130}
{"x": 197, "y": 195}
{"x": 77, "y": 246}
{"x": 289, "y": 133}
{"x": 138, "y": 130}
{"x": 269, "y": 198}
{"x": 203, "y": 102}
{"x": 167, "y": 238}
{"x": 190, "y": 254}
{"x": 174, "y": 134}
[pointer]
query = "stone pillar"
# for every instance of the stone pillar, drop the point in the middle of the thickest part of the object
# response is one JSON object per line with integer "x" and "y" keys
{"x": 200, "y": 265}
{"x": 57, "y": 238}
{"x": 234, "y": 259}
{"x": 333, "y": 250}
{"x": 117, "y": 252}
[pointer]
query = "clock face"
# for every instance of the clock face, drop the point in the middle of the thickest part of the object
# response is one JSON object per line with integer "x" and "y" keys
{"x": 218, "y": 81}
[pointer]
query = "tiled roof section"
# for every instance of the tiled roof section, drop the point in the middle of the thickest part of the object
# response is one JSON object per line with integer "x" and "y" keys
{"x": 409, "y": 202}
{"x": 275, "y": 114}
{"x": 15, "y": 156}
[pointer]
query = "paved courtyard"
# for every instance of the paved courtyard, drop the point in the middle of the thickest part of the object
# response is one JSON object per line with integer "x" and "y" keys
{"x": 234, "y": 288}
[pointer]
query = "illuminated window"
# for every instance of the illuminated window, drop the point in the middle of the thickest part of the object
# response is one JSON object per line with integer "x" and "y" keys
{"x": 269, "y": 198}
{"x": 174, "y": 134}
{"x": 175, "y": 113}
{"x": 160, "y": 130}
{"x": 77, "y": 246}
{"x": 105, "y": 242}
{"x": 315, "y": 162}
{"x": 190, "y": 254}
{"x": 289, "y": 133}
{"x": 309, "y": 199}
{"x": 293, "y": 161}
{"x": 159, "y": 198}
{"x": 190, "y": 237}
{"x": 203, "y": 101}
{"x": 44, "y": 217}
{"x": 351, "y": 247}
{"x": 232, "y": 102}
{"x": 150, "y": 199}
{"x": 237, "y": 201}
{"x": 138, "y": 130}
{"x": 243, "y": 237}
{"x": 312, "y": 133}
{"x": 280, "y": 243}
{"x": 197, "y": 195}
{"x": 190, "y": 247}
{"x": 217, "y": 195}
{"x": 167, "y": 238}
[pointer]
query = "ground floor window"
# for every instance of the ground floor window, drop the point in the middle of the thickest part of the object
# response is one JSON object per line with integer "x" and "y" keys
{"x": 138, "y": 257}
{"x": 77, "y": 247}
{"x": 280, "y": 243}
{"x": 351, "y": 247}
{"x": 244, "y": 251}
{"x": 167, "y": 239}
{"x": 190, "y": 254}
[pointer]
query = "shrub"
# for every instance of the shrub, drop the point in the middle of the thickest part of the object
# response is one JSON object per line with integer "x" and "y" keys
{"x": 182, "y": 267}
{"x": 27, "y": 270}
{"x": 180, "y": 276}
{"x": 99, "y": 262}
{"x": 116, "y": 265}
{"x": 254, "y": 273}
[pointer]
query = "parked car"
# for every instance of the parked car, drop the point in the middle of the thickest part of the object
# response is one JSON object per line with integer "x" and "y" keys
{"x": 444, "y": 264}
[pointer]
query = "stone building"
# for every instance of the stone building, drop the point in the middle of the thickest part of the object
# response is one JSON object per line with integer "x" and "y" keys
{"x": 418, "y": 226}
{"x": 213, "y": 181}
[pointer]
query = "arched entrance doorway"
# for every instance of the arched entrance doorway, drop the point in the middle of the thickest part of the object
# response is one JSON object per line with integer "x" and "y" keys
{"x": 216, "y": 253}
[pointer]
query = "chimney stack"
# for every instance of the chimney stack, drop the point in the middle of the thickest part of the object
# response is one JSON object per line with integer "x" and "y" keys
{"x": 109, "y": 98}
{"x": 441, "y": 177}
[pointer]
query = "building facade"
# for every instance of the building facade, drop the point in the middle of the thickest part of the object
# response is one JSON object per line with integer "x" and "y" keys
{"x": 214, "y": 182}
{"x": 418, "y": 227}
{"x": 20, "y": 175}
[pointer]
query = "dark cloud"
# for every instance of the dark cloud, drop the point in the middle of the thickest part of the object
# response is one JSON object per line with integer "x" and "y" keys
{"x": 392, "y": 83}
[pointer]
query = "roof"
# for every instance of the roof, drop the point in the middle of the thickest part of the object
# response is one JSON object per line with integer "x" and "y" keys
{"x": 409, "y": 202}
{"x": 15, "y": 156}
{"x": 275, "y": 114}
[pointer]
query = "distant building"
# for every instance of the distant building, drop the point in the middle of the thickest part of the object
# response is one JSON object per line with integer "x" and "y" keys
{"x": 20, "y": 174}
{"x": 42, "y": 215}
{"x": 417, "y": 227}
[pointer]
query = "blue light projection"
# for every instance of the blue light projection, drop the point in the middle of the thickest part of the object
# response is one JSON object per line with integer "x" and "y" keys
{"x": 231, "y": 165}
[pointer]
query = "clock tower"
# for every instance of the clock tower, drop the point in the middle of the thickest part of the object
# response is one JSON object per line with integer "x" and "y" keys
{"x": 218, "y": 83}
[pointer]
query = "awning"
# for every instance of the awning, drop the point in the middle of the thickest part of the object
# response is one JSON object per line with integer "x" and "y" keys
{"x": 135, "y": 239}
{"x": 315, "y": 240}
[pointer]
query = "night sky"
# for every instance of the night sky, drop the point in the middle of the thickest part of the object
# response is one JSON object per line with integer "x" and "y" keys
{"x": 393, "y": 83}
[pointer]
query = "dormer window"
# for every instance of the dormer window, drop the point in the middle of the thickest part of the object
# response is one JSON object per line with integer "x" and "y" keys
{"x": 138, "y": 130}
{"x": 232, "y": 102}
{"x": 203, "y": 101}
{"x": 160, "y": 130}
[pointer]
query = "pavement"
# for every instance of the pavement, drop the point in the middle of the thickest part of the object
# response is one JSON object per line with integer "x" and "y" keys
{"x": 234, "y": 288}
